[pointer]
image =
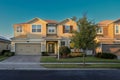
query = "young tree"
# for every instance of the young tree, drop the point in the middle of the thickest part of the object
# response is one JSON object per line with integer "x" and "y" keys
{"x": 84, "y": 37}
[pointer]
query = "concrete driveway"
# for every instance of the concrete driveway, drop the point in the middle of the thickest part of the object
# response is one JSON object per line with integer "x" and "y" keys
{"x": 21, "y": 62}
{"x": 23, "y": 59}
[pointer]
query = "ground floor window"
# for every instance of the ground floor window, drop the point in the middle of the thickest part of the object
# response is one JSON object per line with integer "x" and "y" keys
{"x": 62, "y": 43}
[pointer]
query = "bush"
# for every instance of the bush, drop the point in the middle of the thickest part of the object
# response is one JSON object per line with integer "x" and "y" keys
{"x": 45, "y": 54}
{"x": 3, "y": 51}
{"x": 106, "y": 55}
{"x": 8, "y": 54}
{"x": 64, "y": 51}
{"x": 76, "y": 55}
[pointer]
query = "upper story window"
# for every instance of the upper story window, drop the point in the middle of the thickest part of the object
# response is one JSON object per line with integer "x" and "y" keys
{"x": 19, "y": 29}
{"x": 100, "y": 30}
{"x": 52, "y": 30}
{"x": 36, "y": 28}
{"x": 67, "y": 29}
{"x": 117, "y": 29}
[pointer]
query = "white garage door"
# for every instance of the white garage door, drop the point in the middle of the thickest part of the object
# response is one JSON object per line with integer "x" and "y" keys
{"x": 28, "y": 49}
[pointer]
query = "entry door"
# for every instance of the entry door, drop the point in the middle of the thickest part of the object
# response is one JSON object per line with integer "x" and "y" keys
{"x": 51, "y": 47}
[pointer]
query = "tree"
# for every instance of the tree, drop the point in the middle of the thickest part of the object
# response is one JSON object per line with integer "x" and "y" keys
{"x": 84, "y": 37}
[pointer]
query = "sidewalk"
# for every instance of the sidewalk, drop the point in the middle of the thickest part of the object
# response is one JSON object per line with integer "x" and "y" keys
{"x": 37, "y": 66}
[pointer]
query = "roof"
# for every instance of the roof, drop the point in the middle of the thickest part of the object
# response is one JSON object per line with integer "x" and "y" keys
{"x": 51, "y": 21}
{"x": 33, "y": 20}
{"x": 65, "y": 21}
{"x": 105, "y": 22}
{"x": 116, "y": 20}
{"x": 3, "y": 39}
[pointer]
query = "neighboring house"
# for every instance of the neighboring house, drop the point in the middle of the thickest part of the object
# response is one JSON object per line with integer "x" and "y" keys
{"x": 4, "y": 44}
{"x": 37, "y": 35}
{"x": 109, "y": 36}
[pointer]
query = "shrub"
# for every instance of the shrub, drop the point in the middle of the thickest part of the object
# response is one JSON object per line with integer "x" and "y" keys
{"x": 64, "y": 51}
{"x": 45, "y": 54}
{"x": 9, "y": 54}
{"x": 106, "y": 55}
{"x": 75, "y": 55}
{"x": 3, "y": 51}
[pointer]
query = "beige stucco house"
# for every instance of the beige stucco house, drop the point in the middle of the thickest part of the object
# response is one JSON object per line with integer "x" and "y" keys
{"x": 37, "y": 35}
{"x": 109, "y": 36}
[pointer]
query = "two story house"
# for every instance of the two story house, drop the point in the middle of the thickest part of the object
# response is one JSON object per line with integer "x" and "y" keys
{"x": 37, "y": 35}
{"x": 109, "y": 36}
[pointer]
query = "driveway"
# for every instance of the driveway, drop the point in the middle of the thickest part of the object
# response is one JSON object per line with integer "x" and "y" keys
{"x": 21, "y": 62}
{"x": 23, "y": 59}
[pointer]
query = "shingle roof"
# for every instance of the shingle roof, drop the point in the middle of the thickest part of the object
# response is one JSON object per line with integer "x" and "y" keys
{"x": 3, "y": 39}
{"x": 105, "y": 22}
{"x": 51, "y": 21}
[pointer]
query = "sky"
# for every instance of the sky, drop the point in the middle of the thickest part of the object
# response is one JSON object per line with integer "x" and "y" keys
{"x": 18, "y": 11}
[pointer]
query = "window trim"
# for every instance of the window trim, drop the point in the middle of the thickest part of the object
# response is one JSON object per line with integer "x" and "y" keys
{"x": 99, "y": 31}
{"x": 118, "y": 29}
{"x": 64, "y": 42}
{"x": 64, "y": 28}
{"x": 51, "y": 28}
{"x": 36, "y": 29}
{"x": 20, "y": 30}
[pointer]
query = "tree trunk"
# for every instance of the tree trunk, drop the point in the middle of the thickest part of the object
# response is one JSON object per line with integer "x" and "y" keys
{"x": 84, "y": 52}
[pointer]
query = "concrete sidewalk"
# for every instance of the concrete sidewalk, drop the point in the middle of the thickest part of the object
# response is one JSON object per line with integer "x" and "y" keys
{"x": 35, "y": 65}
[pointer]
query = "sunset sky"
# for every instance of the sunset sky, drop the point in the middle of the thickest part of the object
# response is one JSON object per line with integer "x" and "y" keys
{"x": 18, "y": 11}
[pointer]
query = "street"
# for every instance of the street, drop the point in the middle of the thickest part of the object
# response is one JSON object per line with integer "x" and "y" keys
{"x": 59, "y": 74}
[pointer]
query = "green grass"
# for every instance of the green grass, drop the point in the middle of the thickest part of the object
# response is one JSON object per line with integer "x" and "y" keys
{"x": 81, "y": 66}
{"x": 77, "y": 59}
{"x": 3, "y": 58}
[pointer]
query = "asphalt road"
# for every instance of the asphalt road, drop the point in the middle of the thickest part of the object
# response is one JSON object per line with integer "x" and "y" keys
{"x": 59, "y": 74}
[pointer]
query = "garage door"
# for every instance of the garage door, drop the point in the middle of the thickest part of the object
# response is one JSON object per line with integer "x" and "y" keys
{"x": 28, "y": 49}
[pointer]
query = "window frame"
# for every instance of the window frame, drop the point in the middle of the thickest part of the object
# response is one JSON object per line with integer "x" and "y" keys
{"x": 19, "y": 29}
{"x": 117, "y": 26}
{"x": 36, "y": 29}
{"x": 64, "y": 43}
{"x": 51, "y": 30}
{"x": 100, "y": 31}
{"x": 66, "y": 29}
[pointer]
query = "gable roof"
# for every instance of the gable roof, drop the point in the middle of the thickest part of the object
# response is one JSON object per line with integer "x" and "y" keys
{"x": 65, "y": 21}
{"x": 116, "y": 20}
{"x": 34, "y": 20}
{"x": 105, "y": 22}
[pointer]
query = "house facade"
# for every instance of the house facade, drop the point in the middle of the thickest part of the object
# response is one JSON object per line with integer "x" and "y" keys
{"x": 109, "y": 36}
{"x": 37, "y": 35}
{"x": 4, "y": 44}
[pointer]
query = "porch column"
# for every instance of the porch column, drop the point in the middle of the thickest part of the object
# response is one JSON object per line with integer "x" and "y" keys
{"x": 43, "y": 46}
{"x": 58, "y": 49}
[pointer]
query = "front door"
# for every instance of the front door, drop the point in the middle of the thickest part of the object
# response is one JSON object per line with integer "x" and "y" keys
{"x": 51, "y": 47}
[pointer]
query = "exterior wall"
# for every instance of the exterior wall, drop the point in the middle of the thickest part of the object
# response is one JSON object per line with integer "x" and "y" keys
{"x": 4, "y": 46}
{"x": 27, "y": 30}
{"x": 111, "y": 30}
{"x": 60, "y": 29}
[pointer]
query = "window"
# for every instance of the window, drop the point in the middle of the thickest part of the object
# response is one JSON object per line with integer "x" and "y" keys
{"x": 116, "y": 29}
{"x": 62, "y": 43}
{"x": 19, "y": 29}
{"x": 36, "y": 28}
{"x": 100, "y": 30}
{"x": 67, "y": 28}
{"x": 52, "y": 30}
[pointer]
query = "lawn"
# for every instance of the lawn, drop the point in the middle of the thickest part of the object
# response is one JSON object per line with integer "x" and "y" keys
{"x": 2, "y": 58}
{"x": 81, "y": 66}
{"x": 77, "y": 59}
